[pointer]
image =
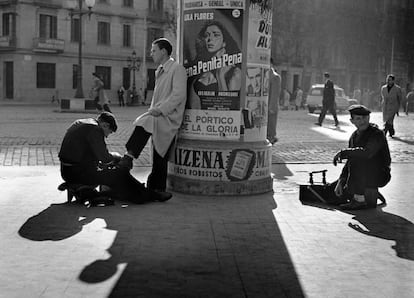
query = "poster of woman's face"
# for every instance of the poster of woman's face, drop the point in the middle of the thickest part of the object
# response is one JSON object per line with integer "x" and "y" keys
{"x": 210, "y": 32}
{"x": 212, "y": 58}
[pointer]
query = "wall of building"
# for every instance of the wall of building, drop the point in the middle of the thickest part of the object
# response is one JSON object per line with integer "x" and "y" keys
{"x": 25, "y": 57}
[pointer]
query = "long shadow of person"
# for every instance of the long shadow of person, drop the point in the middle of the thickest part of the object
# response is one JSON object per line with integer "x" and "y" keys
{"x": 183, "y": 247}
{"x": 409, "y": 142}
{"x": 386, "y": 226}
{"x": 55, "y": 223}
{"x": 176, "y": 250}
{"x": 382, "y": 225}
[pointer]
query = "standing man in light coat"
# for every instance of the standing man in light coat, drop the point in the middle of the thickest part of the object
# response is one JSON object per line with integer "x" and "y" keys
{"x": 390, "y": 103}
{"x": 163, "y": 118}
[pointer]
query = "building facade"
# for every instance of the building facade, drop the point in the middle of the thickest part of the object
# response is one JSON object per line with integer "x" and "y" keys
{"x": 39, "y": 46}
{"x": 357, "y": 42}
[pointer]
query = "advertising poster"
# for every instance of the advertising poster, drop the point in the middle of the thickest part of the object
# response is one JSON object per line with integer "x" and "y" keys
{"x": 254, "y": 113}
{"x": 220, "y": 165}
{"x": 259, "y": 33}
{"x": 205, "y": 124}
{"x": 212, "y": 57}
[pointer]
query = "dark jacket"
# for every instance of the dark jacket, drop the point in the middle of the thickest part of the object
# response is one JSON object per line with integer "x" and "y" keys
{"x": 369, "y": 148}
{"x": 328, "y": 93}
{"x": 84, "y": 144}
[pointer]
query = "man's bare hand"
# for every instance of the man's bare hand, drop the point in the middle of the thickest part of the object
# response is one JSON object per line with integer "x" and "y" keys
{"x": 337, "y": 158}
{"x": 155, "y": 112}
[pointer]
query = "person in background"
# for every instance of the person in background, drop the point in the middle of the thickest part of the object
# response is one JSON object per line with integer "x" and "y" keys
{"x": 390, "y": 103}
{"x": 286, "y": 99}
{"x": 367, "y": 164}
{"x": 328, "y": 101}
{"x": 298, "y": 98}
{"x": 121, "y": 93}
{"x": 85, "y": 159}
{"x": 101, "y": 100}
{"x": 357, "y": 94}
{"x": 410, "y": 102}
{"x": 163, "y": 118}
{"x": 275, "y": 82}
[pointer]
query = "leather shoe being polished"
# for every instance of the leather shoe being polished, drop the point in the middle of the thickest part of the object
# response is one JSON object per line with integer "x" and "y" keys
{"x": 161, "y": 196}
{"x": 354, "y": 205}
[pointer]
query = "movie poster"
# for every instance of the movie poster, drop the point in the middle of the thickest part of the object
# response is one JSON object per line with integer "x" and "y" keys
{"x": 212, "y": 56}
{"x": 254, "y": 113}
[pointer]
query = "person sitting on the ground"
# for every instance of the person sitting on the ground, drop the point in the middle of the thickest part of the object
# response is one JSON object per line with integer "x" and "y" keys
{"x": 85, "y": 160}
{"x": 368, "y": 162}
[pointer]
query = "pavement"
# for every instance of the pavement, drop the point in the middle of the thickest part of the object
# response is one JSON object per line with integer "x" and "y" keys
{"x": 267, "y": 245}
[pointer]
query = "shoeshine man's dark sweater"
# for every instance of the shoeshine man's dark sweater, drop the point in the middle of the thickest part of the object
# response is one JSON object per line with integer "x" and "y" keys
{"x": 84, "y": 144}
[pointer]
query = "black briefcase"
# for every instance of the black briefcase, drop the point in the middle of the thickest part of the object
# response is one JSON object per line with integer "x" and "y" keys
{"x": 321, "y": 192}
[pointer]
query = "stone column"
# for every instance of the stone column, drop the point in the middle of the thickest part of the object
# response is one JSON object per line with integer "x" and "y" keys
{"x": 222, "y": 148}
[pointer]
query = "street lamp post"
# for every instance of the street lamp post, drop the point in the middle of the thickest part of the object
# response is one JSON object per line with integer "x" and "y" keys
{"x": 133, "y": 64}
{"x": 76, "y": 10}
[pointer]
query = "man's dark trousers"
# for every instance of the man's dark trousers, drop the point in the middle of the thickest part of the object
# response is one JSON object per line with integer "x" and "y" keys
{"x": 331, "y": 107}
{"x": 157, "y": 179}
{"x": 118, "y": 179}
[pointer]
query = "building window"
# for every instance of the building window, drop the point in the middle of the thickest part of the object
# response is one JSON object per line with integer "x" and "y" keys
{"x": 152, "y": 34}
{"x": 126, "y": 41}
{"x": 74, "y": 30}
{"x": 104, "y": 36}
{"x": 46, "y": 75}
{"x": 129, "y": 3}
{"x": 155, "y": 5}
{"x": 9, "y": 24}
{"x": 48, "y": 26}
{"x": 126, "y": 77}
{"x": 105, "y": 74}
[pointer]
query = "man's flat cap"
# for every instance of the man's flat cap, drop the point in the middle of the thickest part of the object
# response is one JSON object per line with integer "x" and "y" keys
{"x": 359, "y": 110}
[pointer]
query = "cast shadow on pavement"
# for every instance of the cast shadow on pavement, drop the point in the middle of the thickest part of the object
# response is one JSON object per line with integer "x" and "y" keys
{"x": 403, "y": 140}
{"x": 384, "y": 225}
{"x": 187, "y": 247}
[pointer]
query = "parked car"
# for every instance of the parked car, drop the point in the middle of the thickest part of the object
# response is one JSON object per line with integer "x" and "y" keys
{"x": 314, "y": 98}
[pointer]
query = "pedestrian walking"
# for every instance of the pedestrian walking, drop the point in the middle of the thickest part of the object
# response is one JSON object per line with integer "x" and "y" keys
{"x": 390, "y": 103}
{"x": 121, "y": 93}
{"x": 273, "y": 107}
{"x": 164, "y": 117}
{"x": 100, "y": 98}
{"x": 328, "y": 101}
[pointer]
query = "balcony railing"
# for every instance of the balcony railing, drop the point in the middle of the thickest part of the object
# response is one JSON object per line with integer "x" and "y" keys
{"x": 7, "y": 42}
{"x": 48, "y": 45}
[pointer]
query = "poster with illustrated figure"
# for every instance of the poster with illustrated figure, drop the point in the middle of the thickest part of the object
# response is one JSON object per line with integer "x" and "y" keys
{"x": 254, "y": 117}
{"x": 212, "y": 57}
{"x": 254, "y": 114}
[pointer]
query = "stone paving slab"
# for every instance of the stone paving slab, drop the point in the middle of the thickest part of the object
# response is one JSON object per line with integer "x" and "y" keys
{"x": 34, "y": 137}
